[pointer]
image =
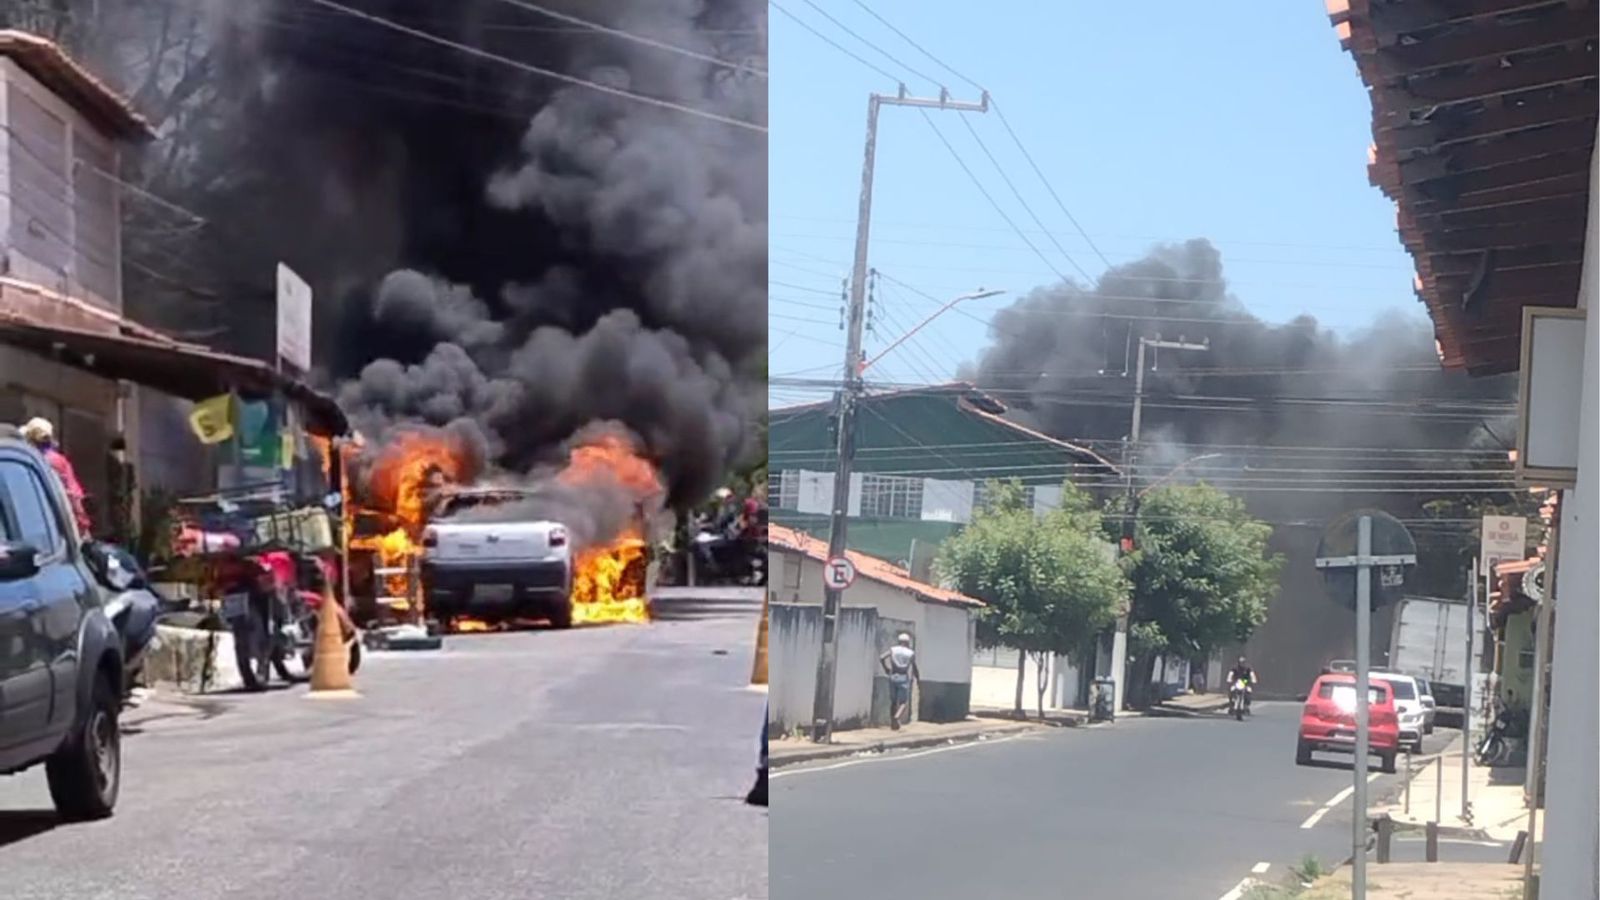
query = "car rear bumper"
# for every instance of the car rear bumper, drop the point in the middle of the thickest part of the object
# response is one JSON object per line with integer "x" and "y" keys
{"x": 457, "y": 588}
{"x": 1343, "y": 740}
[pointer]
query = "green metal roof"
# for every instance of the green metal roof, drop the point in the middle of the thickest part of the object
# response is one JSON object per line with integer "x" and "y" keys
{"x": 949, "y": 432}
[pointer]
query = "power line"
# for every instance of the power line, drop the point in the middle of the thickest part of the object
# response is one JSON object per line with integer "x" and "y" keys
{"x": 835, "y": 44}
{"x": 1009, "y": 130}
{"x": 988, "y": 196}
{"x": 548, "y": 73}
{"x": 1020, "y": 199}
{"x": 636, "y": 38}
{"x": 886, "y": 54}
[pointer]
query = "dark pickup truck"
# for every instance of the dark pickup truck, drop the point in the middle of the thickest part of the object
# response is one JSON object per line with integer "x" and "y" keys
{"x": 60, "y": 656}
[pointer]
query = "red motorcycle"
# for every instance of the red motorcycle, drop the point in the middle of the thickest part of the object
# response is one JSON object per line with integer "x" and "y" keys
{"x": 272, "y": 608}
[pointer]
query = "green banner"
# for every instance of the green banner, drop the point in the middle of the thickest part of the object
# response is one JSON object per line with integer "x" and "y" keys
{"x": 258, "y": 435}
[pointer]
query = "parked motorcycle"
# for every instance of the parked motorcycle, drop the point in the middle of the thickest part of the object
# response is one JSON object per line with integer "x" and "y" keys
{"x": 131, "y": 605}
{"x": 729, "y": 560}
{"x": 1494, "y": 747}
{"x": 1239, "y": 700}
{"x": 274, "y": 623}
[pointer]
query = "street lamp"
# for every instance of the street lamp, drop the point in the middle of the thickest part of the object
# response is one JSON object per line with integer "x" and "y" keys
{"x": 979, "y": 294}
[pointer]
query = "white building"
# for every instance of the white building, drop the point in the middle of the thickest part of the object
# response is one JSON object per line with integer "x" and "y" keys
{"x": 884, "y": 602}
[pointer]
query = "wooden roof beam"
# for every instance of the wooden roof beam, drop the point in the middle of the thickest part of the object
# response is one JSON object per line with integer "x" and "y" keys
{"x": 1511, "y": 149}
{"x": 1445, "y": 126}
{"x": 1425, "y": 91}
{"x": 1485, "y": 40}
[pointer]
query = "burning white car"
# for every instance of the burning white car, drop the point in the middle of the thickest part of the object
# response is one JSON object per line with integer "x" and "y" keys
{"x": 491, "y": 569}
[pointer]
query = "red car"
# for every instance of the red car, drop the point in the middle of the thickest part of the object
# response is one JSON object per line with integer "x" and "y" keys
{"x": 1328, "y": 721}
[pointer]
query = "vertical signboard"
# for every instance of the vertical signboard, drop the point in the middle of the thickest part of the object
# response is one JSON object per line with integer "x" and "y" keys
{"x": 1505, "y": 539}
{"x": 294, "y": 320}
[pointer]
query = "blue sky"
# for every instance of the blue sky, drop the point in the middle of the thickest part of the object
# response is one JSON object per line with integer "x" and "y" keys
{"x": 1244, "y": 123}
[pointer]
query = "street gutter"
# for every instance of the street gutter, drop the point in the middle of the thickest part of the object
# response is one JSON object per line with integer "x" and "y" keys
{"x": 839, "y": 751}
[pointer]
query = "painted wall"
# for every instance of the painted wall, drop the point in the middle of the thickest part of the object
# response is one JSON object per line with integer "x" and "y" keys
{"x": 942, "y": 636}
{"x": 1572, "y": 829}
{"x": 794, "y": 642}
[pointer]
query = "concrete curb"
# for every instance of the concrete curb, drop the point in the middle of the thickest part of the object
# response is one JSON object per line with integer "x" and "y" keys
{"x": 1186, "y": 712}
{"x": 917, "y": 743}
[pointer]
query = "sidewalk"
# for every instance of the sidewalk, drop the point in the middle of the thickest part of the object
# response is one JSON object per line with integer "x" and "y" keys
{"x": 1497, "y": 807}
{"x": 1424, "y": 881}
{"x": 790, "y": 751}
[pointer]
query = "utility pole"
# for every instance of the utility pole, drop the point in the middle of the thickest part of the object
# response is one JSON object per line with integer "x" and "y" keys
{"x": 1119, "y": 639}
{"x": 850, "y": 392}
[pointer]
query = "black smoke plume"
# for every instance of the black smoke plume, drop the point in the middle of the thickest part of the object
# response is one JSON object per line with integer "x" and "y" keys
{"x": 496, "y": 252}
{"x": 1064, "y": 357}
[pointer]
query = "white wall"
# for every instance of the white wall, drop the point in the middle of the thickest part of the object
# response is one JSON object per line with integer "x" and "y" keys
{"x": 1046, "y": 497}
{"x": 794, "y": 640}
{"x": 947, "y": 501}
{"x": 1572, "y": 827}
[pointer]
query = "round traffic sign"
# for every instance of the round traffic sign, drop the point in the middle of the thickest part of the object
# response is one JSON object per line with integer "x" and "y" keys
{"x": 838, "y": 573}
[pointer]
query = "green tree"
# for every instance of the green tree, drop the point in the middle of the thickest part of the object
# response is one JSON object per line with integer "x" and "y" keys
{"x": 1202, "y": 577}
{"x": 1050, "y": 583}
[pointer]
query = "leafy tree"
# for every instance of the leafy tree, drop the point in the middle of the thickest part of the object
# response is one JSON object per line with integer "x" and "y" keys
{"x": 1202, "y": 577}
{"x": 1050, "y": 583}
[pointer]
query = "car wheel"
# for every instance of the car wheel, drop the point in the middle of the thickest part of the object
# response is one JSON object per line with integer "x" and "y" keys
{"x": 85, "y": 775}
{"x": 1388, "y": 764}
{"x": 1302, "y": 754}
{"x": 561, "y": 613}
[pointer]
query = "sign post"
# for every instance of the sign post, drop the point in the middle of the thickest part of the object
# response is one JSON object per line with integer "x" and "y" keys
{"x": 1381, "y": 543}
{"x": 294, "y": 321}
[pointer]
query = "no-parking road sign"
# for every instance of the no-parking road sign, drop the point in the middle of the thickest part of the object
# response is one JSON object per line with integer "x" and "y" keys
{"x": 838, "y": 573}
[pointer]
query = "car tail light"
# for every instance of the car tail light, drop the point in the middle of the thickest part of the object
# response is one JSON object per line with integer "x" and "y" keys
{"x": 430, "y": 538}
{"x": 558, "y": 537}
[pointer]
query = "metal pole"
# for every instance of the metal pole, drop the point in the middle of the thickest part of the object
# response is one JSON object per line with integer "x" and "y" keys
{"x": 1438, "y": 790}
{"x": 827, "y": 659}
{"x": 1538, "y": 716}
{"x": 1408, "y": 782}
{"x": 832, "y": 599}
{"x": 1358, "y": 882}
{"x": 1466, "y": 713}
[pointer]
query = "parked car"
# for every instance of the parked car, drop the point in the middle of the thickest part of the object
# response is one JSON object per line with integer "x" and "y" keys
{"x": 1408, "y": 704}
{"x": 1328, "y": 720}
{"x": 1430, "y": 707}
{"x": 480, "y": 559}
{"x": 61, "y": 667}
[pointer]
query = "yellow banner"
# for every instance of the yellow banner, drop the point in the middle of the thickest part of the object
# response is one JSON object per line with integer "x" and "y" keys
{"x": 212, "y": 420}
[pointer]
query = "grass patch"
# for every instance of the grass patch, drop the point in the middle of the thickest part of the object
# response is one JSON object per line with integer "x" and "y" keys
{"x": 1296, "y": 885}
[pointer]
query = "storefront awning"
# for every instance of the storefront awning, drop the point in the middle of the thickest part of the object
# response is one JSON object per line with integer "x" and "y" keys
{"x": 183, "y": 370}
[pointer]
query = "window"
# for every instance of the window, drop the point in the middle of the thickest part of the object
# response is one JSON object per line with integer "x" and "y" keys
{"x": 891, "y": 497}
{"x": 36, "y": 521}
{"x": 785, "y": 489}
{"x": 981, "y": 495}
{"x": 1344, "y": 693}
{"x": 791, "y": 572}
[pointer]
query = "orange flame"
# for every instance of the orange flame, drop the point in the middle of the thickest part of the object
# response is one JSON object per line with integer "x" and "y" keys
{"x": 399, "y": 474}
{"x": 609, "y": 581}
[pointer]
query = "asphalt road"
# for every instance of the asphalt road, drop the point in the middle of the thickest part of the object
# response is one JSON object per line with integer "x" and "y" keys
{"x": 593, "y": 763}
{"x": 1145, "y": 809}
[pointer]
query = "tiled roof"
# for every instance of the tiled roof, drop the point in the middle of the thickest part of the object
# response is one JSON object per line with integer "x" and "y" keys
{"x": 1483, "y": 123}
{"x": 869, "y": 567}
{"x": 97, "y": 101}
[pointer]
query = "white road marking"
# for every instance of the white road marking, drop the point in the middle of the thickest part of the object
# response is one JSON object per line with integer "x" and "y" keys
{"x": 1260, "y": 868}
{"x": 891, "y": 756}
{"x": 1239, "y": 889}
{"x": 1337, "y": 799}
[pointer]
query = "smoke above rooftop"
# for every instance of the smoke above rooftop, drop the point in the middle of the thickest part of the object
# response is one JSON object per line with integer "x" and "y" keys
{"x": 1063, "y": 357}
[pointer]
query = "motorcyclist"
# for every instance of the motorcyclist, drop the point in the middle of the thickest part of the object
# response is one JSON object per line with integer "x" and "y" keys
{"x": 1241, "y": 671}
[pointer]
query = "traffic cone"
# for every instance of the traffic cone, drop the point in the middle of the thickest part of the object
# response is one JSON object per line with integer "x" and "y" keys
{"x": 330, "y": 666}
{"x": 759, "y": 675}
